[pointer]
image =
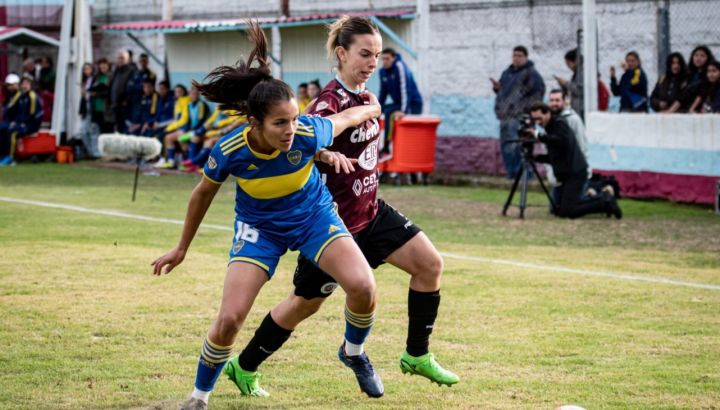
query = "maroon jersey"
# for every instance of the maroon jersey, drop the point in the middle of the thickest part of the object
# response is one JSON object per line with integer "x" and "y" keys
{"x": 355, "y": 193}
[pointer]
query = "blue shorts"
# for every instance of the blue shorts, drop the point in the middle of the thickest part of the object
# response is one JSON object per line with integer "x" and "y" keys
{"x": 264, "y": 249}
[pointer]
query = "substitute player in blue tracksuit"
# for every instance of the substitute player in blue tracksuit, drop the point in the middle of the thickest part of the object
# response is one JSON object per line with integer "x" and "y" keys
{"x": 23, "y": 116}
{"x": 281, "y": 203}
{"x": 397, "y": 82}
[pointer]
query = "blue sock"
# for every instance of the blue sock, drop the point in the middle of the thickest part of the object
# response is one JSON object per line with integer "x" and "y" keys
{"x": 193, "y": 149}
{"x": 357, "y": 326}
{"x": 201, "y": 158}
{"x": 210, "y": 365}
{"x": 171, "y": 154}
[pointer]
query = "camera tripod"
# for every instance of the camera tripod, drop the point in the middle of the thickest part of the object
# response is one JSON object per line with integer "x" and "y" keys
{"x": 522, "y": 177}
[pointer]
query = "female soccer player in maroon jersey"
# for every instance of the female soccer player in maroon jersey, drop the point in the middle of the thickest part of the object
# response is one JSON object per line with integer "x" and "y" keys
{"x": 383, "y": 233}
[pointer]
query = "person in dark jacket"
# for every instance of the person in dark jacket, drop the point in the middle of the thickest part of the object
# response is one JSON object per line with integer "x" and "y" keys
{"x": 519, "y": 87}
{"x": 569, "y": 166}
{"x": 698, "y": 62}
{"x": 165, "y": 111}
{"x": 669, "y": 89}
{"x": 633, "y": 86}
{"x": 709, "y": 99}
{"x": 136, "y": 85}
{"x": 144, "y": 116}
{"x": 120, "y": 95}
{"x": 100, "y": 97}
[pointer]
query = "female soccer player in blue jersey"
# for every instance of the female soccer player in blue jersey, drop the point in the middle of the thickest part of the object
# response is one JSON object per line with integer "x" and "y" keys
{"x": 281, "y": 204}
{"x": 383, "y": 233}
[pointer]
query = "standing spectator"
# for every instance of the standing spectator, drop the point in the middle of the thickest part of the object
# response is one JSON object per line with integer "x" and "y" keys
{"x": 574, "y": 87}
{"x": 135, "y": 85}
{"x": 89, "y": 130}
{"x": 31, "y": 69}
{"x": 633, "y": 86}
{"x": 314, "y": 89}
{"x": 519, "y": 87}
{"x": 709, "y": 99}
{"x": 25, "y": 119}
{"x": 671, "y": 86}
{"x": 100, "y": 97}
{"x": 119, "y": 90}
{"x": 303, "y": 97}
{"x": 46, "y": 79}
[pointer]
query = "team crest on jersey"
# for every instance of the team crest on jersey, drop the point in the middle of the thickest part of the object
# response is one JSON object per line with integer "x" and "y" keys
{"x": 294, "y": 156}
{"x": 212, "y": 164}
{"x": 321, "y": 106}
{"x": 237, "y": 246}
{"x": 328, "y": 288}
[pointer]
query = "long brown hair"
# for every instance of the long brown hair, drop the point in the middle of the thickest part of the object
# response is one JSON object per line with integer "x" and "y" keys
{"x": 246, "y": 89}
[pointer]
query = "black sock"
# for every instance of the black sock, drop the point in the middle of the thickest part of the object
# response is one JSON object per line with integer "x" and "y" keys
{"x": 268, "y": 338}
{"x": 422, "y": 310}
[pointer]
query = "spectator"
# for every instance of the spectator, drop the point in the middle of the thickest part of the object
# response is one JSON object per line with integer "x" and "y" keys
{"x": 633, "y": 86}
{"x": 574, "y": 87}
{"x": 31, "y": 68}
{"x": 557, "y": 102}
{"x": 569, "y": 166}
{"x": 25, "y": 119}
{"x": 119, "y": 90}
{"x": 520, "y": 85}
{"x": 46, "y": 78}
{"x": 165, "y": 111}
{"x": 314, "y": 89}
{"x": 220, "y": 123}
{"x": 603, "y": 95}
{"x": 709, "y": 99}
{"x": 148, "y": 107}
{"x": 102, "y": 114}
{"x": 89, "y": 131}
{"x": 303, "y": 97}
{"x": 10, "y": 106}
{"x": 697, "y": 66}
{"x": 671, "y": 86}
{"x": 135, "y": 85}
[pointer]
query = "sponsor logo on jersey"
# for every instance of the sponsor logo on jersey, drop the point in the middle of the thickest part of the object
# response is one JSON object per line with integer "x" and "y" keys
{"x": 368, "y": 158}
{"x": 332, "y": 229}
{"x": 328, "y": 288}
{"x": 294, "y": 156}
{"x": 363, "y": 134}
{"x": 365, "y": 185}
{"x": 321, "y": 106}
{"x": 252, "y": 167}
{"x": 212, "y": 164}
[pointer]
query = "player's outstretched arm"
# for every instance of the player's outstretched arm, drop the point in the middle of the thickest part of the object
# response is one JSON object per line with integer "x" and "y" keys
{"x": 200, "y": 201}
{"x": 353, "y": 116}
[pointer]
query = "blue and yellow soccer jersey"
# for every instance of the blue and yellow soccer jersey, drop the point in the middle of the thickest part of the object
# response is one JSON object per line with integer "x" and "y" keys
{"x": 280, "y": 202}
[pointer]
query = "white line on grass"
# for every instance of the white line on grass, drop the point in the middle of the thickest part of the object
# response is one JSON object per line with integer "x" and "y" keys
{"x": 614, "y": 275}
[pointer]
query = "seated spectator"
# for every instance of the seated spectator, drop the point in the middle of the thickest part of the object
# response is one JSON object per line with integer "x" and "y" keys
{"x": 144, "y": 116}
{"x": 194, "y": 112}
{"x": 709, "y": 99}
{"x": 668, "y": 90}
{"x": 165, "y": 112}
{"x": 23, "y": 117}
{"x": 697, "y": 67}
{"x": 633, "y": 86}
{"x": 220, "y": 123}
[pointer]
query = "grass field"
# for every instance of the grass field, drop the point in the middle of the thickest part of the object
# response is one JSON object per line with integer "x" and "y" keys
{"x": 85, "y": 325}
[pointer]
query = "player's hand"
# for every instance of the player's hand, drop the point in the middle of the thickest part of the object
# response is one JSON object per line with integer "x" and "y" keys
{"x": 168, "y": 261}
{"x": 495, "y": 84}
{"x": 612, "y": 71}
{"x": 337, "y": 160}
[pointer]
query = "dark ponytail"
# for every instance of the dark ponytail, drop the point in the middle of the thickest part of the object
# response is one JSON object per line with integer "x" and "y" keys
{"x": 249, "y": 90}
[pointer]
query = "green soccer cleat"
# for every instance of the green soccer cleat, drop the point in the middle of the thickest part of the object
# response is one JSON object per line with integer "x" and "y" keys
{"x": 426, "y": 366}
{"x": 247, "y": 382}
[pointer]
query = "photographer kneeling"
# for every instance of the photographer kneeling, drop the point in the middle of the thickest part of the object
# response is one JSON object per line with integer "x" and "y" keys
{"x": 569, "y": 165}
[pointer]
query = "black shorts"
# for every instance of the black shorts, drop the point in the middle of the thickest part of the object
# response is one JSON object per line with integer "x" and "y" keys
{"x": 386, "y": 233}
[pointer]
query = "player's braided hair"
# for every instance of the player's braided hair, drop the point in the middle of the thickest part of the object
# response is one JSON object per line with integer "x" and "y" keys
{"x": 246, "y": 89}
{"x": 342, "y": 30}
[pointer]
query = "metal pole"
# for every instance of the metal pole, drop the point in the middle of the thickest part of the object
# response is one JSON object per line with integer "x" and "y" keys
{"x": 422, "y": 45}
{"x": 277, "y": 52}
{"x": 663, "y": 32}
{"x": 590, "y": 67}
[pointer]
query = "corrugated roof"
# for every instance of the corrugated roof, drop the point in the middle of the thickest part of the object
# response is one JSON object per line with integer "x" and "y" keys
{"x": 182, "y": 26}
